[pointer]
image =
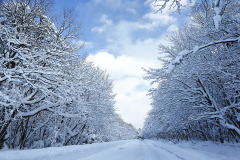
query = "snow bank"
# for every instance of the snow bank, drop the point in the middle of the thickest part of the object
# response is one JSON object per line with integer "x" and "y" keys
{"x": 74, "y": 152}
{"x": 201, "y": 150}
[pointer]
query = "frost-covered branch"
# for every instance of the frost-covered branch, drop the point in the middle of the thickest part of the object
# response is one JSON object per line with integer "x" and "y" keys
{"x": 184, "y": 53}
{"x": 217, "y": 5}
{"x": 162, "y": 4}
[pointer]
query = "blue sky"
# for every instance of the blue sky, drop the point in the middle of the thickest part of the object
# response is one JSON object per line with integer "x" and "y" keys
{"x": 122, "y": 38}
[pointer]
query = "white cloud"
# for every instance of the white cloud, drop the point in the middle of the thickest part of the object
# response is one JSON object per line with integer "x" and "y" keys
{"x": 131, "y": 100}
{"x": 106, "y": 23}
{"x": 120, "y": 67}
{"x": 131, "y": 10}
{"x": 98, "y": 29}
{"x": 126, "y": 69}
{"x": 159, "y": 19}
{"x": 104, "y": 19}
{"x": 134, "y": 109}
{"x": 121, "y": 43}
{"x": 149, "y": 21}
{"x": 133, "y": 55}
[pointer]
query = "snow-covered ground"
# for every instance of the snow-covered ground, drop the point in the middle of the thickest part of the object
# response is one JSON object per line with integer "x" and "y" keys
{"x": 130, "y": 150}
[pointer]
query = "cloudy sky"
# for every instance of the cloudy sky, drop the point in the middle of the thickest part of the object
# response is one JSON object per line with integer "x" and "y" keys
{"x": 122, "y": 38}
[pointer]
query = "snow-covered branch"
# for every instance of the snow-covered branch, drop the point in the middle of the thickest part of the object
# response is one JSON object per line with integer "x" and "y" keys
{"x": 184, "y": 53}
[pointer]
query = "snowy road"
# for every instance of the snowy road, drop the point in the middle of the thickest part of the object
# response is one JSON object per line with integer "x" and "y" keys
{"x": 128, "y": 150}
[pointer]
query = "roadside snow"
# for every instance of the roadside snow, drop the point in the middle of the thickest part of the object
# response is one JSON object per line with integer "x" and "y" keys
{"x": 201, "y": 150}
{"x": 131, "y": 150}
{"x": 75, "y": 152}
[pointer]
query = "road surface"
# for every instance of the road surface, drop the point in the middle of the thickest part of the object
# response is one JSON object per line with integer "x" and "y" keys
{"x": 124, "y": 150}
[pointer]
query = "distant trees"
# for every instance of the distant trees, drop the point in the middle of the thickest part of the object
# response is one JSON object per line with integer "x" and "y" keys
{"x": 49, "y": 96}
{"x": 198, "y": 90}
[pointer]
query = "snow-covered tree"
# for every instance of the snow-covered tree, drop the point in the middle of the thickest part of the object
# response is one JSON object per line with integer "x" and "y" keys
{"x": 32, "y": 62}
{"x": 49, "y": 95}
{"x": 201, "y": 91}
{"x": 217, "y": 5}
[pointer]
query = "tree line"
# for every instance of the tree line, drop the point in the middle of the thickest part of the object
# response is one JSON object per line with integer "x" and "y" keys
{"x": 49, "y": 94}
{"x": 198, "y": 89}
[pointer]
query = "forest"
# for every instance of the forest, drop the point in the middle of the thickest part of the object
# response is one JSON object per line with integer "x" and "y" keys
{"x": 198, "y": 89}
{"x": 51, "y": 96}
